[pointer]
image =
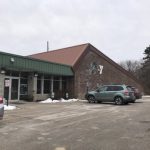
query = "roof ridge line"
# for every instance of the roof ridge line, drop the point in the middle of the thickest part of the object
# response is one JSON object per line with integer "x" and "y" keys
{"x": 60, "y": 49}
{"x": 81, "y": 54}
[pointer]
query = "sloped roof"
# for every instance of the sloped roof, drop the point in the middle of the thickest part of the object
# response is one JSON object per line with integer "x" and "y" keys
{"x": 68, "y": 56}
{"x": 72, "y": 56}
{"x": 27, "y": 64}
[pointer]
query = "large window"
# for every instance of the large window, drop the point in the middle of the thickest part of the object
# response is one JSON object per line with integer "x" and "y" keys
{"x": 44, "y": 84}
{"x": 56, "y": 86}
{"x": 23, "y": 86}
{"x": 47, "y": 85}
{"x": 64, "y": 85}
{"x": 39, "y": 85}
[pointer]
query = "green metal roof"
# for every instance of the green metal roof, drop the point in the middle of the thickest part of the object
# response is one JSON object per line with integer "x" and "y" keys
{"x": 22, "y": 63}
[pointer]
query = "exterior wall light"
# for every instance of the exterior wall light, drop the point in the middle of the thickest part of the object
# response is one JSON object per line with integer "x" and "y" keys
{"x": 12, "y": 60}
{"x": 3, "y": 71}
{"x": 35, "y": 74}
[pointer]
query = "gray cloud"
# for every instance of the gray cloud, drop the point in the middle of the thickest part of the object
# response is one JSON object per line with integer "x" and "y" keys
{"x": 118, "y": 28}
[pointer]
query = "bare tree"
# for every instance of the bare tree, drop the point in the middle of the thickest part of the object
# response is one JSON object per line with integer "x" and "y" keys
{"x": 133, "y": 66}
{"x": 140, "y": 69}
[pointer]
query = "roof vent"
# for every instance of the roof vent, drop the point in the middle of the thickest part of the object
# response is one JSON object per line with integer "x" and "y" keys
{"x": 47, "y": 46}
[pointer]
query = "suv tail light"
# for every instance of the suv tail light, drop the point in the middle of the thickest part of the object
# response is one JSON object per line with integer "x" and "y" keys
{"x": 1, "y": 100}
{"x": 126, "y": 93}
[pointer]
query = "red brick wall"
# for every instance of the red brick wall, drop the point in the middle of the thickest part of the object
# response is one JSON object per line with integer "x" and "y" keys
{"x": 110, "y": 75}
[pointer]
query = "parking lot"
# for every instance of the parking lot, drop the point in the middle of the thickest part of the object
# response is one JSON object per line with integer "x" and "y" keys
{"x": 76, "y": 126}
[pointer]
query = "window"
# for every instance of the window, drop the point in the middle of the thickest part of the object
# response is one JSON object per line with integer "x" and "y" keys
{"x": 110, "y": 88}
{"x": 64, "y": 85}
{"x": 39, "y": 83}
{"x": 118, "y": 88}
{"x": 23, "y": 86}
{"x": 103, "y": 88}
{"x": 56, "y": 78}
{"x": 47, "y": 86}
{"x": 56, "y": 86}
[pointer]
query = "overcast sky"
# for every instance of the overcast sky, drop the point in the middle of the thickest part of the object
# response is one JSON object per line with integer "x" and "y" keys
{"x": 119, "y": 28}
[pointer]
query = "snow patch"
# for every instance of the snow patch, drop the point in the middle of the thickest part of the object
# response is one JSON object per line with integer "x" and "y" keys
{"x": 69, "y": 100}
{"x": 49, "y": 100}
{"x": 146, "y": 96}
{"x": 9, "y": 107}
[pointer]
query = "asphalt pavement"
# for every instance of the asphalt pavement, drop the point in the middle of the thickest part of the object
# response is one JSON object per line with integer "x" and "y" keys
{"x": 76, "y": 126}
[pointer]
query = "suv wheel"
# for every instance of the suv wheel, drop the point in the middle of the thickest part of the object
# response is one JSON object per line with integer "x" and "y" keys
{"x": 91, "y": 99}
{"x": 118, "y": 101}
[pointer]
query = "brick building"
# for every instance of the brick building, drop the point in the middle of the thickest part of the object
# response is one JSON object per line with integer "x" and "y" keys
{"x": 91, "y": 68}
{"x": 70, "y": 71}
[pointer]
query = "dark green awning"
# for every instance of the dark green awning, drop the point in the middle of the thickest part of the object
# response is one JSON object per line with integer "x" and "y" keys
{"x": 21, "y": 63}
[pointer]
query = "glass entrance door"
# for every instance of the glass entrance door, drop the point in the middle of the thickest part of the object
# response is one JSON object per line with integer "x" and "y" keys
{"x": 14, "y": 89}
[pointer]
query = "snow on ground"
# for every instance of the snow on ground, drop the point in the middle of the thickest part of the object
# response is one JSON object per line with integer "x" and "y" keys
{"x": 69, "y": 100}
{"x": 9, "y": 107}
{"x": 146, "y": 96}
{"x": 49, "y": 100}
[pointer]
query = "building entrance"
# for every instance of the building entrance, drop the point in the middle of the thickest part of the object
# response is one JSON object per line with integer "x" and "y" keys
{"x": 12, "y": 88}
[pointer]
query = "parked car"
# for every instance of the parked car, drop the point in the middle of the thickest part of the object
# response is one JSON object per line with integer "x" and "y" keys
{"x": 119, "y": 94}
{"x": 1, "y": 108}
{"x": 137, "y": 93}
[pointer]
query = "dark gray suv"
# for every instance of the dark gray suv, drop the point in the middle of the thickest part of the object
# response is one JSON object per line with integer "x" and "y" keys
{"x": 119, "y": 94}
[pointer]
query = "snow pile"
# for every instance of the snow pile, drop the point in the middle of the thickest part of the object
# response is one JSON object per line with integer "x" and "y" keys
{"x": 69, "y": 100}
{"x": 9, "y": 107}
{"x": 146, "y": 95}
{"x": 49, "y": 100}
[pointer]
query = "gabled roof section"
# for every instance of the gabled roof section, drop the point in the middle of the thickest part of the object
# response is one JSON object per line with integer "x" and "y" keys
{"x": 68, "y": 56}
{"x": 72, "y": 56}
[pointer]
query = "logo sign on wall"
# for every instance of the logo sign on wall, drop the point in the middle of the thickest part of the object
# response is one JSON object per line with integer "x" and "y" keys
{"x": 94, "y": 68}
{"x": 100, "y": 69}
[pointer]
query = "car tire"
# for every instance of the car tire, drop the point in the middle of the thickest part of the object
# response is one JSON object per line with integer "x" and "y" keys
{"x": 118, "y": 100}
{"x": 91, "y": 99}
